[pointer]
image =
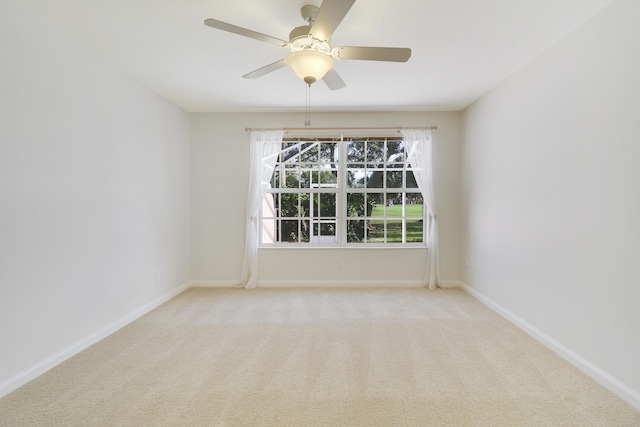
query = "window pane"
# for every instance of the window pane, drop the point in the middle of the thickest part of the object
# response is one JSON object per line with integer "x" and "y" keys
{"x": 415, "y": 231}
{"x": 305, "y": 231}
{"x": 394, "y": 231}
{"x": 329, "y": 177}
{"x": 394, "y": 179}
{"x": 355, "y": 151}
{"x": 269, "y": 205}
{"x": 324, "y": 232}
{"x": 375, "y": 178}
{"x": 314, "y": 179}
{"x": 375, "y": 152}
{"x": 276, "y": 203}
{"x": 289, "y": 230}
{"x": 305, "y": 205}
{"x": 327, "y": 204}
{"x": 375, "y": 202}
{"x": 411, "y": 180}
{"x": 355, "y": 231}
{"x": 375, "y": 231}
{"x": 327, "y": 229}
{"x": 355, "y": 176}
{"x": 395, "y": 151}
{"x": 292, "y": 178}
{"x": 414, "y": 206}
{"x": 288, "y": 205}
{"x": 328, "y": 152}
{"x": 315, "y": 205}
{"x": 289, "y": 150}
{"x": 309, "y": 152}
{"x": 355, "y": 204}
{"x": 394, "y": 205}
{"x": 305, "y": 179}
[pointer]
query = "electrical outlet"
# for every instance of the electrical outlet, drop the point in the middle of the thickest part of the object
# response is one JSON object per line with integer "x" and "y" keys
{"x": 470, "y": 269}
{"x": 340, "y": 264}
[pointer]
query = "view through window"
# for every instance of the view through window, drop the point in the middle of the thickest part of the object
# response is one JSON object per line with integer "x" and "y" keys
{"x": 343, "y": 192}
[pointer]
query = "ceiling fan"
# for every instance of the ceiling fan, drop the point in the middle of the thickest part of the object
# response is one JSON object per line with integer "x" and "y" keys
{"x": 312, "y": 57}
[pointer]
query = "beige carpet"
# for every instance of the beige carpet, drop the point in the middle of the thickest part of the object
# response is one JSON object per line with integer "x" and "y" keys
{"x": 317, "y": 357}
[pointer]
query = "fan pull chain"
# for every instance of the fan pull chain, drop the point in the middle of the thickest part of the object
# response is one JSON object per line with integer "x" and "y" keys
{"x": 307, "y": 116}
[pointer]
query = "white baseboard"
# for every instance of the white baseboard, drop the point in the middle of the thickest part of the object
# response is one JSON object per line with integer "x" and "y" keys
{"x": 322, "y": 283}
{"x": 213, "y": 283}
{"x": 44, "y": 365}
{"x": 351, "y": 283}
{"x": 614, "y": 385}
{"x": 339, "y": 284}
{"x": 452, "y": 283}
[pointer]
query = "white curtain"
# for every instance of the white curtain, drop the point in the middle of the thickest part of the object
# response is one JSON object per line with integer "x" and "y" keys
{"x": 264, "y": 150}
{"x": 418, "y": 144}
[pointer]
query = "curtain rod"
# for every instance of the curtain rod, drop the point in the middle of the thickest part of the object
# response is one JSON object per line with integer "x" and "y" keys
{"x": 399, "y": 129}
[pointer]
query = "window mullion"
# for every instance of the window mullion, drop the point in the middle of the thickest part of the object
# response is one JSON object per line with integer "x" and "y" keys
{"x": 341, "y": 208}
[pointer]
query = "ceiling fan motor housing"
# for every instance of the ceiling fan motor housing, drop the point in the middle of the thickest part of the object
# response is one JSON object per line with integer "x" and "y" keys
{"x": 299, "y": 32}
{"x": 299, "y": 39}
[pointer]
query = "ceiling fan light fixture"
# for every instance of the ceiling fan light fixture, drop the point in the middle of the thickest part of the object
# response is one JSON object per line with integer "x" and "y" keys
{"x": 310, "y": 65}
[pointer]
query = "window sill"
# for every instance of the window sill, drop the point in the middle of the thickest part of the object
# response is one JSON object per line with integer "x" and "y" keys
{"x": 367, "y": 247}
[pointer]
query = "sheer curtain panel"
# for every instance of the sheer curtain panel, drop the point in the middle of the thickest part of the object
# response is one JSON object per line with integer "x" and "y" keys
{"x": 418, "y": 143}
{"x": 264, "y": 150}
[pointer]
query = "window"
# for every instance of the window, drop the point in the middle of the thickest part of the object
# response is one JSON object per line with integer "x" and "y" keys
{"x": 343, "y": 192}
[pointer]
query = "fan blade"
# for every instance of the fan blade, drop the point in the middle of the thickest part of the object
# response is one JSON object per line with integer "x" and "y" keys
{"x": 214, "y": 23}
{"x": 393, "y": 54}
{"x": 266, "y": 69}
{"x": 333, "y": 80}
{"x": 331, "y": 13}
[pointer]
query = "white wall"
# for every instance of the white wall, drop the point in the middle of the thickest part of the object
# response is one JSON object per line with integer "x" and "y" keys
{"x": 219, "y": 177}
{"x": 551, "y": 205}
{"x": 94, "y": 197}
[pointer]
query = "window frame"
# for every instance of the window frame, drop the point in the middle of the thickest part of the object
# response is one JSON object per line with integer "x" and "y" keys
{"x": 342, "y": 191}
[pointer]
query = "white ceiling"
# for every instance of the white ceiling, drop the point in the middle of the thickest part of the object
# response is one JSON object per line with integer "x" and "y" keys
{"x": 460, "y": 48}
